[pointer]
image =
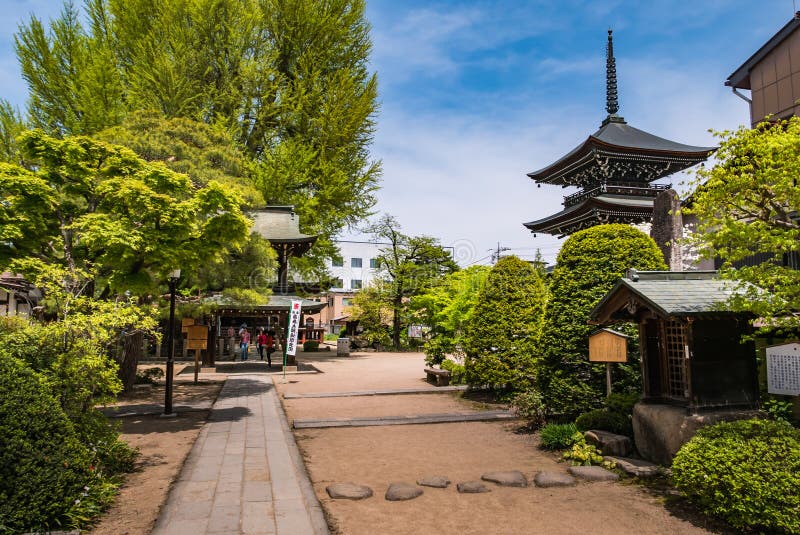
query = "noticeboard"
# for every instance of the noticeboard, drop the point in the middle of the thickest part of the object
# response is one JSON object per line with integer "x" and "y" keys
{"x": 783, "y": 369}
{"x": 608, "y": 346}
{"x": 185, "y": 324}
{"x": 196, "y": 337}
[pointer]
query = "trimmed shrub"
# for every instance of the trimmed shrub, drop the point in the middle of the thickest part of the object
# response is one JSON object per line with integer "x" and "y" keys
{"x": 746, "y": 472}
{"x": 502, "y": 334}
{"x": 588, "y": 265}
{"x": 558, "y": 436}
{"x": 529, "y": 406}
{"x": 311, "y": 345}
{"x": 456, "y": 371}
{"x": 150, "y": 376}
{"x": 622, "y": 403}
{"x": 605, "y": 420}
{"x": 47, "y": 477}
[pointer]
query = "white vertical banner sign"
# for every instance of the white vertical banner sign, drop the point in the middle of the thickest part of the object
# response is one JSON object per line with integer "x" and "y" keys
{"x": 294, "y": 324}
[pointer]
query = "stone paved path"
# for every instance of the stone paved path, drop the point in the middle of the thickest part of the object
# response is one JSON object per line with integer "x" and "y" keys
{"x": 244, "y": 474}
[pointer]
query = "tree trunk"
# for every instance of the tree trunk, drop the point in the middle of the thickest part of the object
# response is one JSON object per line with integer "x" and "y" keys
{"x": 129, "y": 358}
{"x": 398, "y": 303}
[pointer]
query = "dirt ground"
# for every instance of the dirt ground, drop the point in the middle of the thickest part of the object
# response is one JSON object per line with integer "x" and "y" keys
{"x": 378, "y": 456}
{"x": 164, "y": 444}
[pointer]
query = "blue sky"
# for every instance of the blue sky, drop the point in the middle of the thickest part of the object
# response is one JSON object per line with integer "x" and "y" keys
{"x": 475, "y": 94}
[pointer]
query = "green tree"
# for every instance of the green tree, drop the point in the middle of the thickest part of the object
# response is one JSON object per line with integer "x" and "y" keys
{"x": 747, "y": 205}
{"x": 447, "y": 308}
{"x": 409, "y": 265}
{"x": 11, "y": 126}
{"x": 98, "y": 207}
{"x": 288, "y": 78}
{"x": 588, "y": 265}
{"x": 372, "y": 308}
{"x": 504, "y": 329}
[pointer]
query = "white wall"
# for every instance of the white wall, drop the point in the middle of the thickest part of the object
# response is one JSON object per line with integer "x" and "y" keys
{"x": 353, "y": 249}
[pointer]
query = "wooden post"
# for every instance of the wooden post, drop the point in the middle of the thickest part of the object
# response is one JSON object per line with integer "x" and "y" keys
{"x": 196, "y": 364}
{"x": 608, "y": 378}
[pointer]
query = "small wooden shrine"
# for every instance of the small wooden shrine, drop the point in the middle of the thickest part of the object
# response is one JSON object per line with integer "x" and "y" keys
{"x": 692, "y": 349}
{"x": 614, "y": 169}
{"x": 696, "y": 370}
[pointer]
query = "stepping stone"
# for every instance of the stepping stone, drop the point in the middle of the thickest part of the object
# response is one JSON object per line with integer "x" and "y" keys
{"x": 636, "y": 467}
{"x": 348, "y": 491}
{"x": 592, "y": 473}
{"x": 609, "y": 443}
{"x": 511, "y": 478}
{"x": 472, "y": 487}
{"x": 439, "y": 482}
{"x": 553, "y": 479}
{"x": 398, "y": 492}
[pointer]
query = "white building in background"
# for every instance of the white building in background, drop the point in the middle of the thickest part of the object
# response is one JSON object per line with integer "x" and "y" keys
{"x": 356, "y": 266}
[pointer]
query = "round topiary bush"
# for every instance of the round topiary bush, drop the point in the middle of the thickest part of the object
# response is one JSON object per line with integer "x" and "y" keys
{"x": 746, "y": 472}
{"x": 605, "y": 420}
{"x": 501, "y": 336}
{"x": 47, "y": 480}
{"x": 588, "y": 265}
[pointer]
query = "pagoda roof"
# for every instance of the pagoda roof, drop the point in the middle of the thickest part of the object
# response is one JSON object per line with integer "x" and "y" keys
{"x": 281, "y": 227}
{"x": 635, "y": 155}
{"x": 594, "y": 211}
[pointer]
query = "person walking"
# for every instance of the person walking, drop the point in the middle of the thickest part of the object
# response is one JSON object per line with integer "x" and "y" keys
{"x": 261, "y": 341}
{"x": 270, "y": 343}
{"x": 245, "y": 341}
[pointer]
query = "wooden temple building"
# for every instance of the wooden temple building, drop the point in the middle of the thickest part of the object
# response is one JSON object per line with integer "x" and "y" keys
{"x": 614, "y": 168}
{"x": 280, "y": 226}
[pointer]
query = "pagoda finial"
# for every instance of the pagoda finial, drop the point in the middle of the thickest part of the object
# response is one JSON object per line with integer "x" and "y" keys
{"x": 612, "y": 102}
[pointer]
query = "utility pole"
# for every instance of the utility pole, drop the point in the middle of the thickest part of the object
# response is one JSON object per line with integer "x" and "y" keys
{"x": 496, "y": 252}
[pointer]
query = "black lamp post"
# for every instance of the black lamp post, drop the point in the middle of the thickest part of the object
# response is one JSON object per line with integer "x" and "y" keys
{"x": 173, "y": 282}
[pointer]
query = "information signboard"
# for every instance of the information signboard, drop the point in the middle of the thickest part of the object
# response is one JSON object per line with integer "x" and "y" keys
{"x": 783, "y": 369}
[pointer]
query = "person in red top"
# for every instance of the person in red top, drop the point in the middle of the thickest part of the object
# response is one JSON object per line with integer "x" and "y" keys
{"x": 261, "y": 341}
{"x": 270, "y": 343}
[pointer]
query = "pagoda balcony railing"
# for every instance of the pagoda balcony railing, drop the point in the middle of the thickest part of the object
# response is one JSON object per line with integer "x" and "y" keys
{"x": 616, "y": 188}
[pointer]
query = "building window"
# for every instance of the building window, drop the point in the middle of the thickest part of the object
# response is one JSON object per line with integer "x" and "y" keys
{"x": 355, "y": 262}
{"x": 337, "y": 261}
{"x": 373, "y": 263}
{"x": 346, "y": 301}
{"x": 338, "y": 283}
{"x": 355, "y": 284}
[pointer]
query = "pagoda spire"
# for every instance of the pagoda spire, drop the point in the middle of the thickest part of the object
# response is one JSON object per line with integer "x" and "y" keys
{"x": 612, "y": 101}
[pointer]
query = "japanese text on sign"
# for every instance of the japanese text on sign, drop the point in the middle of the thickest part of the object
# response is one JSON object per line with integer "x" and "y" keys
{"x": 294, "y": 325}
{"x": 783, "y": 369}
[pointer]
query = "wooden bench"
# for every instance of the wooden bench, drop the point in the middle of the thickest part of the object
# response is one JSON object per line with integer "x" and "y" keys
{"x": 438, "y": 377}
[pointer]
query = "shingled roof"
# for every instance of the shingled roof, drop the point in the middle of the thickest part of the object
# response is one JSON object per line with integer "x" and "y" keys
{"x": 667, "y": 293}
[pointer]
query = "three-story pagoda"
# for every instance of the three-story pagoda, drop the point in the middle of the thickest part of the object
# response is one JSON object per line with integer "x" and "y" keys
{"x": 614, "y": 168}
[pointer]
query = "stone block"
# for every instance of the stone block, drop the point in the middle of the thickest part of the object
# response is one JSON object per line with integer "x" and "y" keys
{"x": 659, "y": 430}
{"x": 511, "y": 478}
{"x": 592, "y": 473}
{"x": 636, "y": 467}
{"x": 472, "y": 487}
{"x": 398, "y": 492}
{"x": 348, "y": 491}
{"x": 609, "y": 443}
{"x": 553, "y": 479}
{"x": 439, "y": 482}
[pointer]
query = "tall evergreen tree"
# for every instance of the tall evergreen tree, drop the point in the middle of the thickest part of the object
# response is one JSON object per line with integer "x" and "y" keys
{"x": 289, "y": 78}
{"x": 588, "y": 265}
